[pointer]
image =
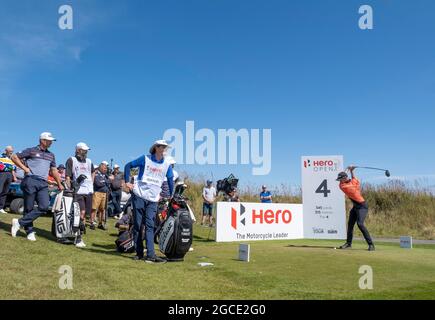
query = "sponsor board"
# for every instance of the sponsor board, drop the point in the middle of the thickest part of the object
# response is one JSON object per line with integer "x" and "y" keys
{"x": 406, "y": 242}
{"x": 242, "y": 221}
{"x": 323, "y": 201}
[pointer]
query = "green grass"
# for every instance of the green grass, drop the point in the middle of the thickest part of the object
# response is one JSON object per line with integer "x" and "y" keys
{"x": 278, "y": 270}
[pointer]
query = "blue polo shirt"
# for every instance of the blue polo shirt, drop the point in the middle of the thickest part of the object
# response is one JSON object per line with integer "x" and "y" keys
{"x": 265, "y": 194}
{"x": 38, "y": 161}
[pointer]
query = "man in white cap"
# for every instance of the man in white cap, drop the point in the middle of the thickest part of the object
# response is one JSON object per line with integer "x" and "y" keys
{"x": 75, "y": 166}
{"x": 153, "y": 169}
{"x": 40, "y": 162}
{"x": 116, "y": 184}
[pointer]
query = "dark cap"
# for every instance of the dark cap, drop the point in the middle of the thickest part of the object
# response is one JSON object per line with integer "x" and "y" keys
{"x": 61, "y": 166}
{"x": 341, "y": 175}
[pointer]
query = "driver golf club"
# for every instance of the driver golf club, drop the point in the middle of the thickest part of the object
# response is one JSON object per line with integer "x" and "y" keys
{"x": 387, "y": 172}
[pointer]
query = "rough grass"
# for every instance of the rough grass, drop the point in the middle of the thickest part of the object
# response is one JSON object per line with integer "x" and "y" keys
{"x": 299, "y": 269}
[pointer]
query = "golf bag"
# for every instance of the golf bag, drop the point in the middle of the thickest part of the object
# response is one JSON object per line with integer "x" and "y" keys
{"x": 227, "y": 185}
{"x": 66, "y": 217}
{"x": 66, "y": 224}
{"x": 174, "y": 235}
{"x": 125, "y": 242}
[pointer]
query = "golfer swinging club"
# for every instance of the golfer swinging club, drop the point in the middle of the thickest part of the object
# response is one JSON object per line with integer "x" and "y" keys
{"x": 352, "y": 188}
{"x": 153, "y": 169}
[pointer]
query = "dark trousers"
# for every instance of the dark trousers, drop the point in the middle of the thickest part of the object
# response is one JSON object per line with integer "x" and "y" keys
{"x": 116, "y": 200}
{"x": 5, "y": 182}
{"x": 357, "y": 215}
{"x": 34, "y": 189}
{"x": 144, "y": 213}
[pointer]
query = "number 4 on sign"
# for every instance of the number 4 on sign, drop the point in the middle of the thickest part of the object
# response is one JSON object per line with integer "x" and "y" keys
{"x": 323, "y": 188}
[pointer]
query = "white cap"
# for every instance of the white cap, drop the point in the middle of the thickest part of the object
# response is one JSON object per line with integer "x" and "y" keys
{"x": 82, "y": 146}
{"x": 116, "y": 166}
{"x": 158, "y": 143}
{"x": 105, "y": 162}
{"x": 47, "y": 136}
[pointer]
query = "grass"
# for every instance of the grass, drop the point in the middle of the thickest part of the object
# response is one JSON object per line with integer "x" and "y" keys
{"x": 299, "y": 269}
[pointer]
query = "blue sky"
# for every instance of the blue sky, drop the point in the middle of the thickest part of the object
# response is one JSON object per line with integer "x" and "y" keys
{"x": 132, "y": 69}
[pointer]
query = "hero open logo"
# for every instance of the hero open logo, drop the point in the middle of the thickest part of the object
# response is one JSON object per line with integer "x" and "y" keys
{"x": 260, "y": 217}
{"x": 322, "y": 165}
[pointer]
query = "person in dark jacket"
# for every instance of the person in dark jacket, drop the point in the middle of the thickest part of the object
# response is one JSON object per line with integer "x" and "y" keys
{"x": 7, "y": 175}
{"x": 99, "y": 199}
{"x": 116, "y": 184}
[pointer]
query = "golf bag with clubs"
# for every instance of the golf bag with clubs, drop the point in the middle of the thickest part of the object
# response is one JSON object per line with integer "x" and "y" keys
{"x": 66, "y": 224}
{"x": 227, "y": 185}
{"x": 174, "y": 234}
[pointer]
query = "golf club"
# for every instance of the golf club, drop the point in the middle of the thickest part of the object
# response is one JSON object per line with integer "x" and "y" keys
{"x": 387, "y": 172}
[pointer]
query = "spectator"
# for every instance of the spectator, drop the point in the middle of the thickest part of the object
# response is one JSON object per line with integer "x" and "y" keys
{"x": 265, "y": 195}
{"x": 39, "y": 162}
{"x": 52, "y": 184}
{"x": 61, "y": 169}
{"x": 7, "y": 175}
{"x": 76, "y": 166}
{"x": 99, "y": 201}
{"x": 116, "y": 184}
{"x": 209, "y": 198}
{"x": 232, "y": 196}
{"x": 153, "y": 169}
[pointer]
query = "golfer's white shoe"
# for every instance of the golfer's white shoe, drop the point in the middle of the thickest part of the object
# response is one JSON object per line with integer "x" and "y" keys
{"x": 3, "y": 211}
{"x": 81, "y": 244}
{"x": 31, "y": 236}
{"x": 15, "y": 227}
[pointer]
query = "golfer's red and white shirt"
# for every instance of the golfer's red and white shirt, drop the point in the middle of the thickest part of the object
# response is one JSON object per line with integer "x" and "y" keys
{"x": 353, "y": 190}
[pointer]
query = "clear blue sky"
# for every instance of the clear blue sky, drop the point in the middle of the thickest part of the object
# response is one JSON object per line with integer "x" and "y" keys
{"x": 132, "y": 69}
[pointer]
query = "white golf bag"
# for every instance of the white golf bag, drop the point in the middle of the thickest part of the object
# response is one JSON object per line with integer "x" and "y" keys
{"x": 66, "y": 217}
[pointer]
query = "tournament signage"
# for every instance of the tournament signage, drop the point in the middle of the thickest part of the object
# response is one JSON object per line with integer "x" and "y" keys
{"x": 323, "y": 201}
{"x": 242, "y": 221}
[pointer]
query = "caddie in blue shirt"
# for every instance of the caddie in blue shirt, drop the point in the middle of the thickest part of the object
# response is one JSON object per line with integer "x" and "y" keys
{"x": 153, "y": 169}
